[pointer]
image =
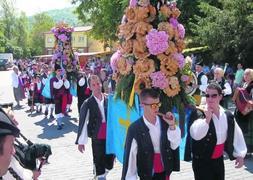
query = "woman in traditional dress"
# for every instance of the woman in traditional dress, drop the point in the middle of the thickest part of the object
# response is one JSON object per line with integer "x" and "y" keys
{"x": 245, "y": 121}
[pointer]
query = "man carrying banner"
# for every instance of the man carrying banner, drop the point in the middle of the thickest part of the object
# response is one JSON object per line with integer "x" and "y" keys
{"x": 151, "y": 149}
{"x": 92, "y": 123}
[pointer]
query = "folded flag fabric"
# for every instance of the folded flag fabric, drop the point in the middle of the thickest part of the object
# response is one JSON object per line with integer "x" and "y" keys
{"x": 119, "y": 117}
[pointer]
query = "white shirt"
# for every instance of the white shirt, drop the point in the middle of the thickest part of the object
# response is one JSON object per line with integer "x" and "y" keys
{"x": 227, "y": 90}
{"x": 200, "y": 127}
{"x": 60, "y": 83}
{"x": 204, "y": 82}
{"x": 174, "y": 136}
{"x": 14, "y": 78}
{"x": 81, "y": 81}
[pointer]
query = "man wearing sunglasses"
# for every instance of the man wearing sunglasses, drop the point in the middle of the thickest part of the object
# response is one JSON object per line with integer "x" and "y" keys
{"x": 215, "y": 132}
{"x": 151, "y": 148}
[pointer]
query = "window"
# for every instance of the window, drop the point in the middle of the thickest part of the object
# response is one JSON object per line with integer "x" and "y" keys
{"x": 81, "y": 39}
{"x": 81, "y": 50}
{"x": 49, "y": 40}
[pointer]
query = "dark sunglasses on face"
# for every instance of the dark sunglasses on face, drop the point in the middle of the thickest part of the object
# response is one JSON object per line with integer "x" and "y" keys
{"x": 153, "y": 105}
{"x": 211, "y": 95}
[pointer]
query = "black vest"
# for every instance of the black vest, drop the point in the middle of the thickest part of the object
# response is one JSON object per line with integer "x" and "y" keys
{"x": 203, "y": 149}
{"x": 95, "y": 117}
{"x": 140, "y": 132}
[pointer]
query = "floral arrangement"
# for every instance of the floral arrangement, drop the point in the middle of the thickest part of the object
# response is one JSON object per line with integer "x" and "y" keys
{"x": 63, "y": 53}
{"x": 151, "y": 41}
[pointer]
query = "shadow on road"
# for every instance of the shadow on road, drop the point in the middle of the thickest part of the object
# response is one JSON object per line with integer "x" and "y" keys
{"x": 50, "y": 128}
{"x": 249, "y": 164}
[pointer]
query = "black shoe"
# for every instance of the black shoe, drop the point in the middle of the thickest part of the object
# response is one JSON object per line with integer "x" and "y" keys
{"x": 59, "y": 127}
{"x": 51, "y": 116}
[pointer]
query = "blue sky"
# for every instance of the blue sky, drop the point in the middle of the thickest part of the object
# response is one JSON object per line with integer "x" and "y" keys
{"x": 31, "y": 7}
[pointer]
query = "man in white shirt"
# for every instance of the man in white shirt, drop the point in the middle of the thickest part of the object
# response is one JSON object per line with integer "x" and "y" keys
{"x": 17, "y": 86}
{"x": 202, "y": 82}
{"x": 216, "y": 132}
{"x": 92, "y": 123}
{"x": 151, "y": 148}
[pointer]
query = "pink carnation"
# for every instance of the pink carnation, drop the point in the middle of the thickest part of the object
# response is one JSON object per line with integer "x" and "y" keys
{"x": 113, "y": 62}
{"x": 180, "y": 59}
{"x": 159, "y": 80}
{"x": 181, "y": 31}
{"x": 157, "y": 41}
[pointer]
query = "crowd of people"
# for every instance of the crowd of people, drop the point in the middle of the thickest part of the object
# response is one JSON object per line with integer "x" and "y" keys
{"x": 152, "y": 142}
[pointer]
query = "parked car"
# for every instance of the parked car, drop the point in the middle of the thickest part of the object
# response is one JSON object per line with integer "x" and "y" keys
{"x": 6, "y": 60}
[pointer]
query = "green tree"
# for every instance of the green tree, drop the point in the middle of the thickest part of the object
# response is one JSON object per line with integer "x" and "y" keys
{"x": 189, "y": 9}
{"x": 8, "y": 18}
{"x": 42, "y": 23}
{"x": 22, "y": 26}
{"x": 2, "y": 39}
{"x": 227, "y": 31}
{"x": 103, "y": 15}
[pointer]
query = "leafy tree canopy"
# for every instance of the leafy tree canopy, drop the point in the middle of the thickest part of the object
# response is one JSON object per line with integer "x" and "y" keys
{"x": 227, "y": 31}
{"x": 104, "y": 15}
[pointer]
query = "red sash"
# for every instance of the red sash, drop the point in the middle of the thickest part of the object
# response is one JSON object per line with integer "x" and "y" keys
{"x": 102, "y": 131}
{"x": 157, "y": 163}
{"x": 218, "y": 151}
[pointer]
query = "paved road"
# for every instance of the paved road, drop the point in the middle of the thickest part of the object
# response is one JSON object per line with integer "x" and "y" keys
{"x": 67, "y": 163}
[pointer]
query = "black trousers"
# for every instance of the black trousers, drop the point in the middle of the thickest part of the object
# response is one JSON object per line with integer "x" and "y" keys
{"x": 159, "y": 176}
{"x": 101, "y": 160}
{"x": 58, "y": 104}
{"x": 211, "y": 169}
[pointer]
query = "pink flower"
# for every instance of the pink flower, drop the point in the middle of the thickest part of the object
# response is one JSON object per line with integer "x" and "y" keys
{"x": 181, "y": 31}
{"x": 63, "y": 37}
{"x": 185, "y": 78}
{"x": 159, "y": 80}
{"x": 180, "y": 59}
{"x": 174, "y": 22}
{"x": 133, "y": 3}
{"x": 157, "y": 41}
{"x": 115, "y": 57}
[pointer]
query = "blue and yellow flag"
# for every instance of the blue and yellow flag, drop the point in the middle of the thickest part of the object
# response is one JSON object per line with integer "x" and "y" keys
{"x": 119, "y": 117}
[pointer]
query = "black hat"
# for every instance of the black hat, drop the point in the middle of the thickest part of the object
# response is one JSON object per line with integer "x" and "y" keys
{"x": 199, "y": 62}
{"x": 7, "y": 127}
{"x": 57, "y": 66}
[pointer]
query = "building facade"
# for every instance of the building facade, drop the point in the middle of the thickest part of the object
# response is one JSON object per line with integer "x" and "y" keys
{"x": 81, "y": 41}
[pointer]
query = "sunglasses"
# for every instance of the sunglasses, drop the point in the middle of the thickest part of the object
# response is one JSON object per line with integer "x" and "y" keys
{"x": 211, "y": 95}
{"x": 153, "y": 105}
